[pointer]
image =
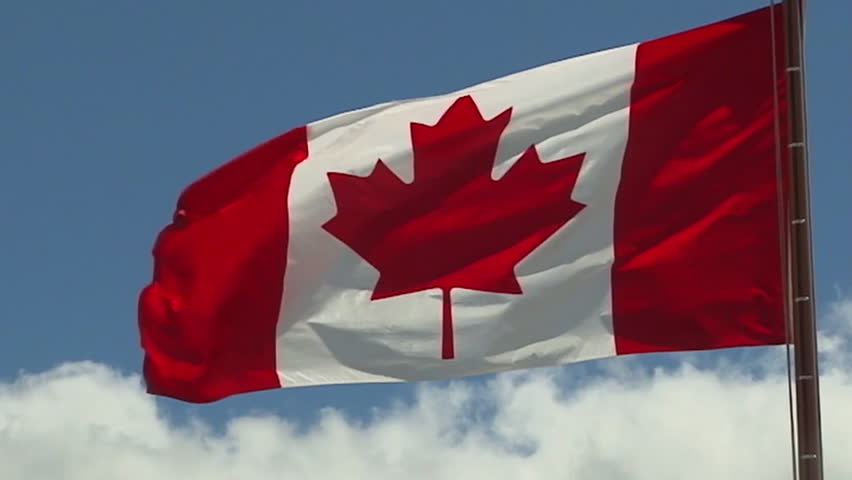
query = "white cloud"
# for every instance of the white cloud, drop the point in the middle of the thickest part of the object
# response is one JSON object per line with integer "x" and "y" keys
{"x": 85, "y": 421}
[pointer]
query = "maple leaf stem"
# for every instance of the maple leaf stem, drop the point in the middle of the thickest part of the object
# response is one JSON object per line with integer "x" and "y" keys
{"x": 447, "y": 344}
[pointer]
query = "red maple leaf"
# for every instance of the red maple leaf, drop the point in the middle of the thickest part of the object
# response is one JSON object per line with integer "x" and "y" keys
{"x": 453, "y": 226}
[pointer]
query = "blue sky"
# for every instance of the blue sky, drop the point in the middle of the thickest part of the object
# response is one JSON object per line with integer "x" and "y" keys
{"x": 108, "y": 109}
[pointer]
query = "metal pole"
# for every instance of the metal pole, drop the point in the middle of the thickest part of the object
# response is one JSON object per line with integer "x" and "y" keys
{"x": 809, "y": 435}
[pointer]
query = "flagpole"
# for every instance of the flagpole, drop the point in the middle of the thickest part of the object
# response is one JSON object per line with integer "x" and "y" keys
{"x": 808, "y": 432}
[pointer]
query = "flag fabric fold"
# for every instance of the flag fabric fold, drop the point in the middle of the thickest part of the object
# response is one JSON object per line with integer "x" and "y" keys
{"x": 620, "y": 202}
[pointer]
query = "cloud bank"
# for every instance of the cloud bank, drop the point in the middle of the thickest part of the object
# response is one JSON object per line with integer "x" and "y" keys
{"x": 86, "y": 421}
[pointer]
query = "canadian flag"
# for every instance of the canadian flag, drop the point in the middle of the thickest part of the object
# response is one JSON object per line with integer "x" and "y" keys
{"x": 616, "y": 203}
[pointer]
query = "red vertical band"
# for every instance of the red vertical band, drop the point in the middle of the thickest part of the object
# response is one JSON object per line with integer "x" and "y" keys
{"x": 697, "y": 256}
{"x": 208, "y": 319}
